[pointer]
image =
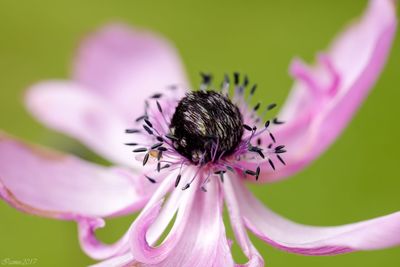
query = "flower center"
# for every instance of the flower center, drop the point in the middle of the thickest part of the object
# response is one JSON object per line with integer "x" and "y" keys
{"x": 206, "y": 125}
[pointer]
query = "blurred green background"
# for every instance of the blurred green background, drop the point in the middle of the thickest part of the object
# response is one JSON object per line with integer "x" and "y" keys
{"x": 356, "y": 179}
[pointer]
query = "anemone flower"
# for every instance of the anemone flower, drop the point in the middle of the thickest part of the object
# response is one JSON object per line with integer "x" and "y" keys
{"x": 193, "y": 151}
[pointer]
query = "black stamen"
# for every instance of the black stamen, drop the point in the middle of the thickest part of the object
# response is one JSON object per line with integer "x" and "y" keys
{"x": 159, "y": 107}
{"x": 247, "y": 127}
{"x": 146, "y": 158}
{"x": 186, "y": 187}
{"x": 229, "y": 168}
{"x": 156, "y": 96}
{"x": 148, "y": 123}
{"x": 141, "y": 149}
{"x": 171, "y": 137}
{"x": 256, "y": 107}
{"x": 253, "y": 89}
{"x": 206, "y": 78}
{"x": 132, "y": 131}
{"x": 258, "y": 172}
{"x": 267, "y": 123}
{"x": 272, "y": 137}
{"x": 236, "y": 78}
{"x": 250, "y": 172}
{"x": 271, "y": 106}
{"x": 178, "y": 179}
{"x": 151, "y": 179}
{"x": 161, "y": 148}
{"x": 271, "y": 163}
{"x": 281, "y": 159}
{"x": 158, "y": 167}
{"x": 148, "y": 130}
{"x": 245, "y": 81}
{"x": 156, "y": 145}
{"x": 131, "y": 144}
{"x": 159, "y": 138}
{"x": 140, "y": 118}
{"x": 276, "y": 121}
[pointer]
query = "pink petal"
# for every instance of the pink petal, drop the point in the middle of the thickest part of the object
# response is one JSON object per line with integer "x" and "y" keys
{"x": 197, "y": 237}
{"x": 100, "y": 251}
{"x": 95, "y": 248}
{"x": 118, "y": 261}
{"x": 377, "y": 233}
{"x": 69, "y": 108}
{"x": 51, "y": 184}
{"x": 236, "y": 218}
{"x": 325, "y": 96}
{"x": 127, "y": 65}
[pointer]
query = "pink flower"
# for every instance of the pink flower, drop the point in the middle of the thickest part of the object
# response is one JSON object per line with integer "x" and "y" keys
{"x": 188, "y": 144}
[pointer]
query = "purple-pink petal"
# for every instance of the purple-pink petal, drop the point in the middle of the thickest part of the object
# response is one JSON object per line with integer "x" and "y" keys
{"x": 52, "y": 184}
{"x": 126, "y": 65}
{"x": 197, "y": 237}
{"x": 237, "y": 223}
{"x": 378, "y": 233}
{"x": 326, "y": 96}
{"x": 116, "y": 70}
{"x": 67, "y": 107}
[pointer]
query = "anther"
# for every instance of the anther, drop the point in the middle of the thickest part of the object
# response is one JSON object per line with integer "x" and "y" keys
{"x": 247, "y": 127}
{"x": 253, "y": 89}
{"x": 236, "y": 78}
{"x": 146, "y": 158}
{"x": 271, "y": 106}
{"x": 140, "y": 118}
{"x": 178, "y": 179}
{"x": 258, "y": 172}
{"x": 141, "y": 149}
{"x": 131, "y": 144}
{"x": 271, "y": 163}
{"x": 281, "y": 160}
{"x": 132, "y": 131}
{"x": 159, "y": 107}
{"x": 156, "y": 96}
{"x": 250, "y": 172}
{"x": 277, "y": 122}
{"x": 272, "y": 137}
{"x": 151, "y": 179}
{"x": 186, "y": 187}
{"x": 171, "y": 137}
{"x": 148, "y": 123}
{"x": 148, "y": 130}
{"x": 156, "y": 145}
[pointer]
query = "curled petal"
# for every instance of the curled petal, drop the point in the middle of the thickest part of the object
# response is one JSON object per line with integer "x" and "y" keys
{"x": 197, "y": 237}
{"x": 325, "y": 96}
{"x": 126, "y": 66}
{"x": 51, "y": 184}
{"x": 236, "y": 217}
{"x": 378, "y": 233}
{"x": 95, "y": 248}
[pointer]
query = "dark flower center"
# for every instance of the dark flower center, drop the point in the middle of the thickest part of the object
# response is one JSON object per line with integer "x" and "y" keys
{"x": 206, "y": 125}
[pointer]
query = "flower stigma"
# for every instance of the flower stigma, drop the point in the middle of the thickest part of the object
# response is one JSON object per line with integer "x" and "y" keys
{"x": 206, "y": 121}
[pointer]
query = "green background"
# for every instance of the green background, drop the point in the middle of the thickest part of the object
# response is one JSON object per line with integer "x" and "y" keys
{"x": 356, "y": 179}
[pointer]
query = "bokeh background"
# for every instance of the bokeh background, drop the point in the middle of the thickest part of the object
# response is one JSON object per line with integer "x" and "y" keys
{"x": 356, "y": 179}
